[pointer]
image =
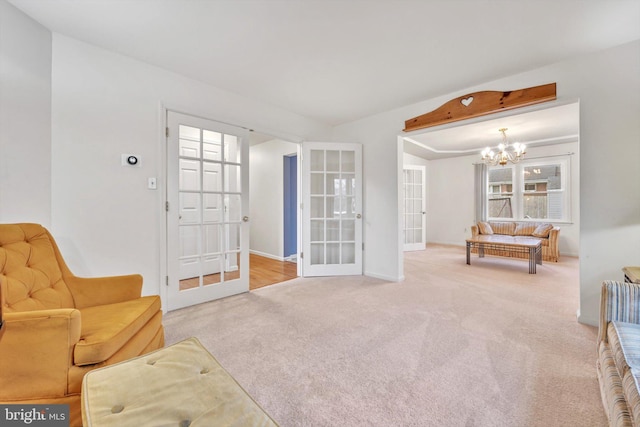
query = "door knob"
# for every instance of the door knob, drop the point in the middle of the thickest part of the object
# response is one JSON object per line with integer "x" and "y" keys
{"x": 358, "y": 216}
{"x": 245, "y": 218}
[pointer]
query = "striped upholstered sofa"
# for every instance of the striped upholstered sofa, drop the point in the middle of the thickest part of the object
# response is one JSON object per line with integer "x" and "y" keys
{"x": 540, "y": 230}
{"x": 618, "y": 363}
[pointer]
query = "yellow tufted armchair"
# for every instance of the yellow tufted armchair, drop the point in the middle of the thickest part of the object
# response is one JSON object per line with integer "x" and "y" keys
{"x": 57, "y": 326}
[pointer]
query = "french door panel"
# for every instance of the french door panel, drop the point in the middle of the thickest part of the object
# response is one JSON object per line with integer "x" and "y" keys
{"x": 332, "y": 209}
{"x": 207, "y": 208}
{"x": 414, "y": 227}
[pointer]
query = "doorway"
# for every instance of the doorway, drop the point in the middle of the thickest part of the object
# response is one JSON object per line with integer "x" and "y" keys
{"x": 290, "y": 174}
{"x": 273, "y": 205}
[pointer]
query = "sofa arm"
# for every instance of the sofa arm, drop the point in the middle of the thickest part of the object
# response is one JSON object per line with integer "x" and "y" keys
{"x": 89, "y": 292}
{"x": 36, "y": 353}
{"x": 554, "y": 235}
{"x": 474, "y": 230}
{"x": 619, "y": 302}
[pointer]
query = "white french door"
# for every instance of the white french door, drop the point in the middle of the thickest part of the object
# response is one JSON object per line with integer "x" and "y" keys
{"x": 332, "y": 209}
{"x": 414, "y": 208}
{"x": 207, "y": 208}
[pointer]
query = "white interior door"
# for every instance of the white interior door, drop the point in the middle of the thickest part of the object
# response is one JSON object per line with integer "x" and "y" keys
{"x": 207, "y": 208}
{"x": 332, "y": 209}
{"x": 414, "y": 213}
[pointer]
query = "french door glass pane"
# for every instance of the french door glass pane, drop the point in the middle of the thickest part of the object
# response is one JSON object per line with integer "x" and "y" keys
{"x": 231, "y": 149}
{"x": 189, "y": 175}
{"x": 212, "y": 210}
{"x": 189, "y": 242}
{"x": 333, "y": 253}
{"x": 190, "y": 149}
{"x": 233, "y": 211}
{"x": 348, "y": 230}
{"x": 233, "y": 237}
{"x": 317, "y": 230}
{"x": 333, "y": 160}
{"x": 317, "y": 183}
{"x": 232, "y": 178}
{"x": 189, "y": 208}
{"x": 348, "y": 253}
{"x": 317, "y": 161}
{"x": 211, "y": 178}
{"x": 333, "y": 230}
{"x": 317, "y": 207}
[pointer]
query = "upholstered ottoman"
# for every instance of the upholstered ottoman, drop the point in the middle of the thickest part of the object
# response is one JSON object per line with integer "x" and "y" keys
{"x": 180, "y": 385}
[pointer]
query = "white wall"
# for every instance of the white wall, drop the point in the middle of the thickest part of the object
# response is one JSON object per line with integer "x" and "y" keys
{"x": 266, "y": 189}
{"x": 25, "y": 118}
{"x": 607, "y": 83}
{"x": 105, "y": 104}
{"x": 451, "y": 200}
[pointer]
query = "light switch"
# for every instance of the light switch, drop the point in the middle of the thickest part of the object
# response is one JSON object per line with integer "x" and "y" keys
{"x": 152, "y": 184}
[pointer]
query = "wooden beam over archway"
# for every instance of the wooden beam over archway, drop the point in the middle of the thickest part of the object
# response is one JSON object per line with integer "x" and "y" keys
{"x": 480, "y": 104}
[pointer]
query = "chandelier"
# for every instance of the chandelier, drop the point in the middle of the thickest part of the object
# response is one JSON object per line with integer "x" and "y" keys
{"x": 506, "y": 152}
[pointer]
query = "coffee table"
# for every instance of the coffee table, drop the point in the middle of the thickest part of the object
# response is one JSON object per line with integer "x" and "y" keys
{"x": 511, "y": 244}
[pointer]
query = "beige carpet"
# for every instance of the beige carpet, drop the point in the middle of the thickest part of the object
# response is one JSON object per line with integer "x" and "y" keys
{"x": 452, "y": 345}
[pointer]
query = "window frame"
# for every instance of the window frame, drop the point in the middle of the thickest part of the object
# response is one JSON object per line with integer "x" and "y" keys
{"x": 519, "y": 192}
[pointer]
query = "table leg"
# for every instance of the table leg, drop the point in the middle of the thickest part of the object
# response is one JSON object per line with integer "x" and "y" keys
{"x": 468, "y": 253}
{"x": 539, "y": 255}
{"x": 480, "y": 250}
{"x": 532, "y": 260}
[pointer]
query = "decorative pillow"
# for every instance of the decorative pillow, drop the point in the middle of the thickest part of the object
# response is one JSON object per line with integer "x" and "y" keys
{"x": 506, "y": 228}
{"x": 542, "y": 230}
{"x": 525, "y": 229}
{"x": 485, "y": 228}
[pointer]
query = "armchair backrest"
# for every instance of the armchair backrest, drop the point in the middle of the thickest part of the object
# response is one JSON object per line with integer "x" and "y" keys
{"x": 30, "y": 272}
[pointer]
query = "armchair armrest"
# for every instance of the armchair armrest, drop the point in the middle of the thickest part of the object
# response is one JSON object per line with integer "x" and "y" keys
{"x": 36, "y": 353}
{"x": 619, "y": 302}
{"x": 89, "y": 292}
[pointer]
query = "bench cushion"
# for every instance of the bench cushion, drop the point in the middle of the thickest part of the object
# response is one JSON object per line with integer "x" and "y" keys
{"x": 181, "y": 385}
{"x": 106, "y": 328}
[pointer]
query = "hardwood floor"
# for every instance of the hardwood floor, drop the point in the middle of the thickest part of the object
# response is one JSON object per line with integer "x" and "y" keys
{"x": 263, "y": 272}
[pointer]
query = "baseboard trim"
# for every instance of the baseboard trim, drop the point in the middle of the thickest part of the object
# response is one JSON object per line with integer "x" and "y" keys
{"x": 266, "y": 255}
{"x": 384, "y": 277}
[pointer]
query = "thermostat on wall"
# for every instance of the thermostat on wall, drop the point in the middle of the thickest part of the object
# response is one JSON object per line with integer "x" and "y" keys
{"x": 130, "y": 160}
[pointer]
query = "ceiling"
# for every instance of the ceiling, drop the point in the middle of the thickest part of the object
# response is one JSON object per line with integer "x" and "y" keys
{"x": 544, "y": 124}
{"x": 338, "y": 61}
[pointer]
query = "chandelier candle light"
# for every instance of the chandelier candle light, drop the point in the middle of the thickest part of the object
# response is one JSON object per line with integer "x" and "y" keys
{"x": 506, "y": 152}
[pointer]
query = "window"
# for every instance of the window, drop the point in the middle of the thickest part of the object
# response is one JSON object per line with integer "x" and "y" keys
{"x": 532, "y": 190}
